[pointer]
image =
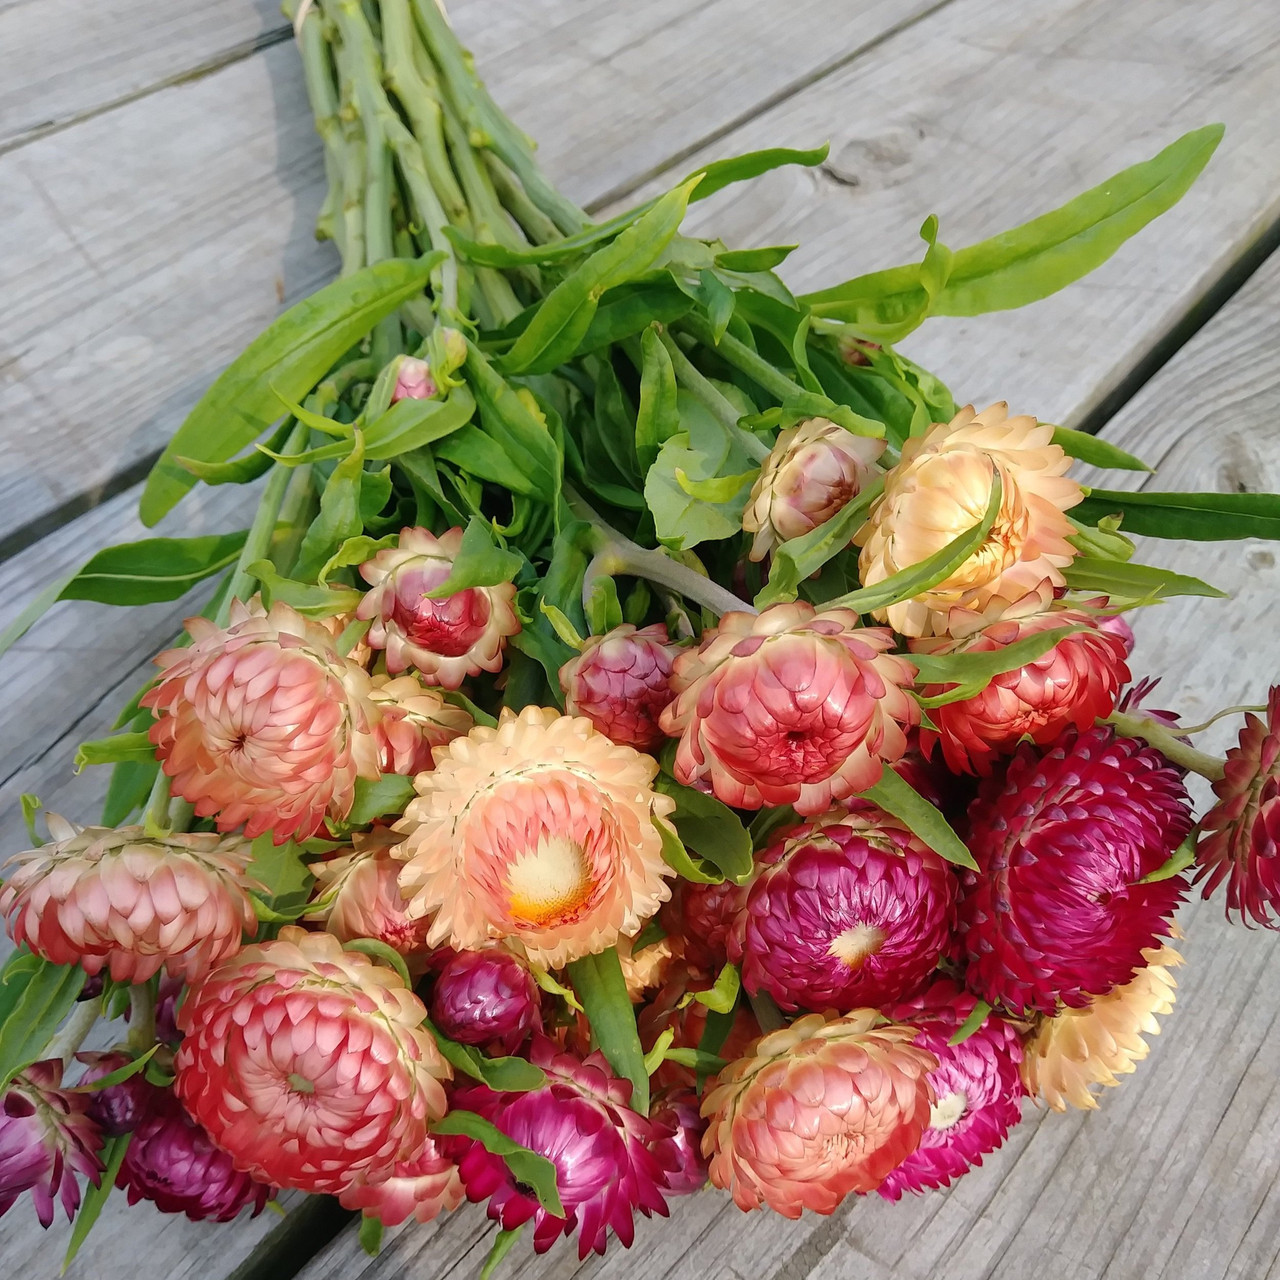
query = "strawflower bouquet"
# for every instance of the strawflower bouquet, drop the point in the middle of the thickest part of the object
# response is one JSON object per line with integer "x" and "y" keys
{"x": 648, "y": 736}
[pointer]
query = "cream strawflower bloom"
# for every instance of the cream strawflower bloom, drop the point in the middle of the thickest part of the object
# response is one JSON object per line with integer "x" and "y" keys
{"x": 1092, "y": 1046}
{"x": 541, "y": 831}
{"x": 941, "y": 488}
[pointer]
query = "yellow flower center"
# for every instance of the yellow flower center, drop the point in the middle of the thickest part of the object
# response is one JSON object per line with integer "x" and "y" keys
{"x": 855, "y": 944}
{"x": 551, "y": 883}
{"x": 948, "y": 1110}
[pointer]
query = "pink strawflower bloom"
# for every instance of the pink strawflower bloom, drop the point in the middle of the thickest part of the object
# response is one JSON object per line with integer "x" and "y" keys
{"x": 541, "y": 830}
{"x": 1074, "y": 683}
{"x": 817, "y": 1111}
{"x": 263, "y": 723}
{"x": 487, "y": 999}
{"x": 413, "y": 721}
{"x": 1240, "y": 840}
{"x": 118, "y": 1108}
{"x": 812, "y": 471}
{"x": 1058, "y": 911}
{"x": 172, "y": 1162}
{"x": 421, "y": 1188}
{"x": 126, "y": 902}
{"x": 790, "y": 706}
{"x": 977, "y": 1088}
{"x": 447, "y": 639}
{"x": 308, "y": 1063}
{"x": 675, "y": 1112}
{"x": 621, "y": 682}
{"x": 853, "y": 911}
{"x": 413, "y": 380}
{"x": 47, "y": 1141}
{"x": 606, "y": 1169}
{"x": 1115, "y": 624}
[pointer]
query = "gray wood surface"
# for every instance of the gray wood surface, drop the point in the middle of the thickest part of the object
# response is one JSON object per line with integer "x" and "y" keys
{"x": 142, "y": 244}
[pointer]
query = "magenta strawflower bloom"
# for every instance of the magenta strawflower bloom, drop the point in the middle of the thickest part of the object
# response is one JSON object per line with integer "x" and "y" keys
{"x": 701, "y": 917}
{"x": 845, "y": 913}
{"x": 488, "y": 999}
{"x": 119, "y": 1107}
{"x": 606, "y": 1167}
{"x": 173, "y": 1162}
{"x": 47, "y": 1141}
{"x": 1057, "y": 911}
{"x": 1240, "y": 843}
{"x": 421, "y": 1188}
{"x": 621, "y": 682}
{"x": 977, "y": 1088}
{"x": 676, "y": 1112}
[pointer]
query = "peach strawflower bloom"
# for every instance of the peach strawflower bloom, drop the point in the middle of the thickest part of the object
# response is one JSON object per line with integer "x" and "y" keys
{"x": 448, "y": 639}
{"x": 541, "y": 831}
{"x": 942, "y": 487}
{"x": 817, "y": 1111}
{"x": 412, "y": 721}
{"x": 1066, "y": 1055}
{"x": 130, "y": 903}
{"x": 309, "y": 1064}
{"x": 263, "y": 723}
{"x": 813, "y": 469}
{"x": 790, "y": 706}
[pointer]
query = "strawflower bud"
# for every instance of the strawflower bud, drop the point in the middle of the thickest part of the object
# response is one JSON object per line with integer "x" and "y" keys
{"x": 487, "y": 999}
{"x": 118, "y": 1108}
{"x": 413, "y": 380}
{"x": 413, "y": 721}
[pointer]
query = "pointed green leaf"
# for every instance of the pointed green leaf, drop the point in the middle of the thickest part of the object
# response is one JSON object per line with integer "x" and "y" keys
{"x": 113, "y": 750}
{"x": 977, "y": 1016}
{"x": 658, "y": 419}
{"x": 1125, "y": 580}
{"x": 535, "y": 1171}
{"x": 1197, "y": 517}
{"x": 35, "y": 997}
{"x": 896, "y": 796}
{"x": 602, "y": 989}
{"x": 970, "y": 673}
{"x": 95, "y": 1197}
{"x": 376, "y": 949}
{"x": 310, "y": 599}
{"x": 371, "y": 1235}
{"x": 709, "y": 827}
{"x": 503, "y": 1075}
{"x": 388, "y": 795}
{"x": 1096, "y": 451}
{"x": 480, "y": 562}
{"x": 503, "y": 1243}
{"x": 755, "y": 259}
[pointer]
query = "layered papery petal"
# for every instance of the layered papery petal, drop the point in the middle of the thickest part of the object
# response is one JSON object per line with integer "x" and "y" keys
{"x": 1068, "y": 1054}
{"x": 1240, "y": 840}
{"x": 1059, "y": 909}
{"x": 941, "y": 488}
{"x": 676, "y": 1113}
{"x": 487, "y": 999}
{"x": 446, "y": 639}
{"x": 118, "y": 1108}
{"x": 608, "y": 1163}
{"x": 813, "y": 469}
{"x": 790, "y": 706}
{"x": 309, "y": 1064}
{"x": 421, "y": 1188}
{"x": 976, "y": 1086}
{"x": 817, "y": 1111}
{"x": 263, "y": 723}
{"x": 413, "y": 721}
{"x": 1074, "y": 683}
{"x": 699, "y": 918}
{"x": 850, "y": 912}
{"x": 621, "y": 682}
{"x": 541, "y": 831}
{"x": 132, "y": 904}
{"x": 413, "y": 380}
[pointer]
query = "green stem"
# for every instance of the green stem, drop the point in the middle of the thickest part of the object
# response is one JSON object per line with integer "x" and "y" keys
{"x": 768, "y": 1015}
{"x": 322, "y": 92}
{"x": 142, "y": 1017}
{"x": 538, "y": 228}
{"x": 1166, "y": 741}
{"x": 72, "y": 1034}
{"x": 738, "y": 354}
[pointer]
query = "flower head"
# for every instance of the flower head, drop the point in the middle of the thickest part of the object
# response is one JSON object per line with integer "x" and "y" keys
{"x": 308, "y": 1063}
{"x": 1059, "y": 909}
{"x": 789, "y": 706}
{"x": 851, "y": 912}
{"x": 580, "y": 1120}
{"x": 118, "y": 1108}
{"x": 47, "y": 1140}
{"x": 421, "y": 1188}
{"x": 486, "y": 998}
{"x": 172, "y": 1162}
{"x": 1074, "y": 683}
{"x": 701, "y": 917}
{"x": 263, "y": 723}
{"x": 130, "y": 903}
{"x": 413, "y": 380}
{"x": 1240, "y": 841}
{"x": 1078, "y": 1048}
{"x": 817, "y": 1111}
{"x": 976, "y": 1087}
{"x": 675, "y": 1113}
{"x": 942, "y": 487}
{"x": 446, "y": 639}
{"x": 541, "y": 831}
{"x": 813, "y": 470}
{"x": 412, "y": 722}
{"x": 621, "y": 682}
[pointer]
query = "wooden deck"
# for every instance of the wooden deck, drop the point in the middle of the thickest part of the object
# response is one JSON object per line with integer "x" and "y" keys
{"x": 158, "y": 182}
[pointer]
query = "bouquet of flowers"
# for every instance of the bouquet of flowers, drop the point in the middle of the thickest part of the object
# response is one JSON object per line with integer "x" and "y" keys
{"x": 649, "y": 734}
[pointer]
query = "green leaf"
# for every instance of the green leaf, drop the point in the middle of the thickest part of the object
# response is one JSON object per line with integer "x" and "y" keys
{"x": 379, "y": 950}
{"x": 31, "y": 805}
{"x": 561, "y": 322}
{"x": 284, "y": 876}
{"x": 1197, "y": 517}
{"x": 972, "y": 672}
{"x": 371, "y": 1235}
{"x": 720, "y": 489}
{"x": 755, "y": 259}
{"x": 897, "y": 797}
{"x": 95, "y": 1197}
{"x": 354, "y": 551}
{"x": 911, "y": 581}
{"x": 552, "y": 986}
{"x": 35, "y": 996}
{"x": 724, "y": 994}
{"x": 535, "y": 1171}
{"x": 657, "y": 419}
{"x": 1125, "y": 580}
{"x": 709, "y": 827}
{"x": 676, "y": 856}
{"x": 1181, "y": 858}
{"x": 1096, "y": 451}
{"x": 34, "y": 612}
{"x": 120, "y": 1074}
{"x": 388, "y": 795}
{"x": 1104, "y": 541}
{"x": 257, "y": 462}
{"x": 633, "y": 308}
{"x": 479, "y": 563}
{"x": 976, "y": 1018}
{"x": 699, "y": 1060}
{"x": 339, "y": 516}
{"x": 602, "y": 989}
{"x": 481, "y": 456}
{"x": 292, "y": 354}
{"x": 722, "y": 173}
{"x": 562, "y": 626}
{"x": 502, "y": 1245}
{"x": 122, "y": 746}
{"x": 310, "y": 600}
{"x": 409, "y": 424}
{"x": 503, "y": 1075}
{"x": 507, "y": 419}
